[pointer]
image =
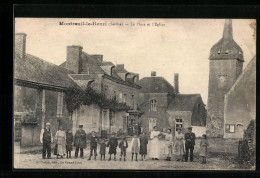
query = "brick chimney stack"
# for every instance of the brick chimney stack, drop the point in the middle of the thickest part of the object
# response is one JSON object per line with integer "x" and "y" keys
{"x": 20, "y": 44}
{"x": 153, "y": 74}
{"x": 74, "y": 58}
{"x": 176, "y": 82}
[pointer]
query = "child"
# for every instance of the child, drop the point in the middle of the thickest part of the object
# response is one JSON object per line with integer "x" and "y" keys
{"x": 123, "y": 145}
{"x": 204, "y": 148}
{"x": 102, "y": 150}
{"x": 143, "y": 146}
{"x": 69, "y": 141}
{"x": 112, "y": 143}
{"x": 93, "y": 145}
{"x": 135, "y": 145}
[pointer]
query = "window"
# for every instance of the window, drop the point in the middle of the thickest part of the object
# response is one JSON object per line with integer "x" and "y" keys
{"x": 112, "y": 118}
{"x": 178, "y": 123}
{"x": 106, "y": 91}
{"x": 152, "y": 123}
{"x": 124, "y": 98}
{"x": 120, "y": 97}
{"x": 230, "y": 128}
{"x": 153, "y": 105}
{"x": 92, "y": 114}
{"x": 60, "y": 104}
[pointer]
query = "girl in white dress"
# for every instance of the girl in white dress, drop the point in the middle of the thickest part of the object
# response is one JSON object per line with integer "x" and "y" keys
{"x": 155, "y": 144}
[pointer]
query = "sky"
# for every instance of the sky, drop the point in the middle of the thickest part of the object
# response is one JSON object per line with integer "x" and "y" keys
{"x": 174, "y": 46}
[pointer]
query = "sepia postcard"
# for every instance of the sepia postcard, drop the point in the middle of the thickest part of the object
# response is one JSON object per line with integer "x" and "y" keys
{"x": 134, "y": 94}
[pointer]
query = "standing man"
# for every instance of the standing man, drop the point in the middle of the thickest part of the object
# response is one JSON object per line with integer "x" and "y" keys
{"x": 46, "y": 140}
{"x": 80, "y": 141}
{"x": 189, "y": 144}
{"x": 93, "y": 145}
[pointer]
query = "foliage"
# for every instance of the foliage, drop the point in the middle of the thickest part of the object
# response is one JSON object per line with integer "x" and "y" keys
{"x": 75, "y": 97}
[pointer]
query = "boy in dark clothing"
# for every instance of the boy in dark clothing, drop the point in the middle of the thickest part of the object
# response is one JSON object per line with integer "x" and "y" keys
{"x": 93, "y": 145}
{"x": 102, "y": 150}
{"x": 143, "y": 145}
{"x": 69, "y": 140}
{"x": 123, "y": 145}
{"x": 112, "y": 143}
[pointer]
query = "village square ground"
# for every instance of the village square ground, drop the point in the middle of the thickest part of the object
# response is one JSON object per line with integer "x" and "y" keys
{"x": 222, "y": 156}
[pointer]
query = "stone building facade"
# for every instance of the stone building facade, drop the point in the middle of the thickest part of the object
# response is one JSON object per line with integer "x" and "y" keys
{"x": 225, "y": 66}
{"x": 113, "y": 81}
{"x": 162, "y": 105}
{"x": 39, "y": 88}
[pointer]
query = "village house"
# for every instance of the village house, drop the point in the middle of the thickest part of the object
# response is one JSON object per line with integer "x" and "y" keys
{"x": 231, "y": 94}
{"x": 113, "y": 81}
{"x": 164, "y": 106}
{"x": 39, "y": 88}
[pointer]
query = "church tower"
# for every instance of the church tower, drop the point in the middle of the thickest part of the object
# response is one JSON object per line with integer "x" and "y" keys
{"x": 225, "y": 65}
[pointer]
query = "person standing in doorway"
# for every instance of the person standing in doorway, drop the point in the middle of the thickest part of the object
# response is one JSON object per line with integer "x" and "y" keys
{"x": 46, "y": 140}
{"x": 189, "y": 144}
{"x": 80, "y": 141}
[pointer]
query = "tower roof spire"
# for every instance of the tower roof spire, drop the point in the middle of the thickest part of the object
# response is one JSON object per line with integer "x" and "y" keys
{"x": 228, "y": 31}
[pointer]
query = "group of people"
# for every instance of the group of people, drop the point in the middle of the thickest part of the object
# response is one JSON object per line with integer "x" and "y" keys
{"x": 179, "y": 147}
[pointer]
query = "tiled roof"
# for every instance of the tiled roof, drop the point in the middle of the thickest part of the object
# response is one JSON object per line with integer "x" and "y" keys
{"x": 155, "y": 85}
{"x": 34, "y": 69}
{"x": 183, "y": 102}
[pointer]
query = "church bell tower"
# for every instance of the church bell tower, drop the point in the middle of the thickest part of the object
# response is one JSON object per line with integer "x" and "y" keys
{"x": 225, "y": 65}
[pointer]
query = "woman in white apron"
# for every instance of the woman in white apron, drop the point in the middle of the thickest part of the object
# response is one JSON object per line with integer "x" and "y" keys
{"x": 155, "y": 144}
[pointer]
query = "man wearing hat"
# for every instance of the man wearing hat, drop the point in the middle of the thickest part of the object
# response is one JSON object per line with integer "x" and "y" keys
{"x": 80, "y": 141}
{"x": 46, "y": 140}
{"x": 189, "y": 144}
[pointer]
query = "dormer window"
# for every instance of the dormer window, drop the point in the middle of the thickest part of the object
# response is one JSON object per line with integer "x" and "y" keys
{"x": 218, "y": 51}
{"x": 226, "y": 51}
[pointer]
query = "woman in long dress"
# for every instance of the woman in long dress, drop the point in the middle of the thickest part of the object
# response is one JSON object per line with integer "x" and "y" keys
{"x": 155, "y": 144}
{"x": 60, "y": 138}
{"x": 178, "y": 148}
{"x": 168, "y": 145}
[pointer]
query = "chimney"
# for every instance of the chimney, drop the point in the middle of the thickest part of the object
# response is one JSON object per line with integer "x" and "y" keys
{"x": 20, "y": 44}
{"x": 176, "y": 82}
{"x": 99, "y": 57}
{"x": 153, "y": 74}
{"x": 74, "y": 58}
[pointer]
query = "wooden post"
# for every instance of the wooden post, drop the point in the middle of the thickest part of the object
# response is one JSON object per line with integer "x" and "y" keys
{"x": 43, "y": 108}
